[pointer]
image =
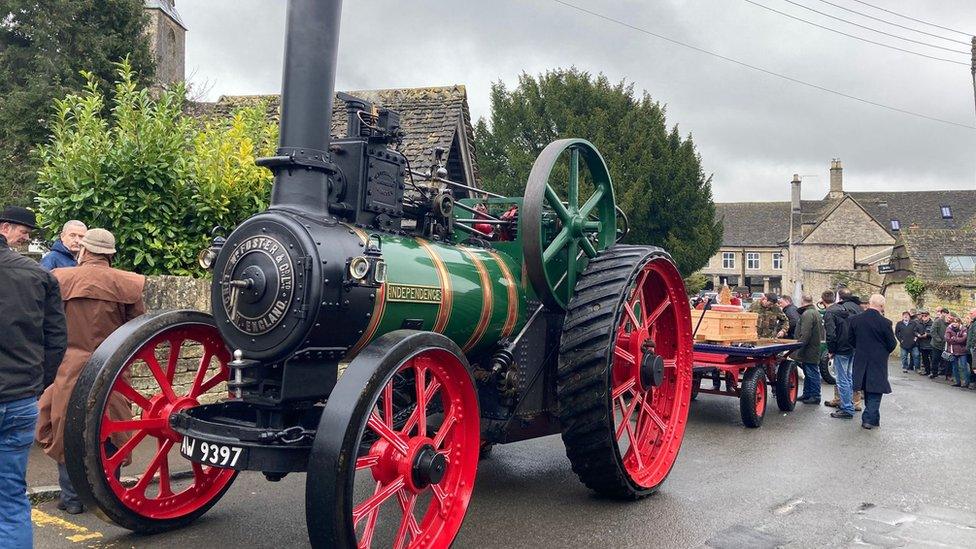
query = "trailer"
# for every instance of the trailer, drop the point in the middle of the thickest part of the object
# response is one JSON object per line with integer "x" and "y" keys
{"x": 747, "y": 370}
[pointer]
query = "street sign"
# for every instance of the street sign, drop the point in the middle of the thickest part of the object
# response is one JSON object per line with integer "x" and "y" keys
{"x": 887, "y": 268}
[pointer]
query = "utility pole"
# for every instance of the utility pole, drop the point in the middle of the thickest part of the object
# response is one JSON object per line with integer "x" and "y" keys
{"x": 973, "y": 69}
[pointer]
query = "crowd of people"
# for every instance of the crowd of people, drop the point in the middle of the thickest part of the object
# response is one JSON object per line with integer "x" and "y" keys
{"x": 55, "y": 314}
{"x": 859, "y": 339}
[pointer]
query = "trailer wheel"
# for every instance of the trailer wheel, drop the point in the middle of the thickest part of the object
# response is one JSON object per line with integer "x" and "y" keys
{"x": 787, "y": 383}
{"x": 394, "y": 460}
{"x": 624, "y": 375}
{"x": 170, "y": 491}
{"x": 827, "y": 371}
{"x": 752, "y": 399}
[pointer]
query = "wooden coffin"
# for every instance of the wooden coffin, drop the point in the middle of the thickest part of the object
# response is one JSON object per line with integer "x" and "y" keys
{"x": 725, "y": 326}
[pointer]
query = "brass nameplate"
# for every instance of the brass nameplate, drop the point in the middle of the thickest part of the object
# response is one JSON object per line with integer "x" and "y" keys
{"x": 413, "y": 294}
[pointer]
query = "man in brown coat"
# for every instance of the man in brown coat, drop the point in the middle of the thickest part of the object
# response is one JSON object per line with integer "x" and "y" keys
{"x": 97, "y": 300}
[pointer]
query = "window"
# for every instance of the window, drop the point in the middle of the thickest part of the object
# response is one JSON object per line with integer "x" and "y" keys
{"x": 752, "y": 260}
{"x": 960, "y": 264}
{"x": 728, "y": 260}
{"x": 777, "y": 261}
{"x": 946, "y": 212}
{"x": 895, "y": 225}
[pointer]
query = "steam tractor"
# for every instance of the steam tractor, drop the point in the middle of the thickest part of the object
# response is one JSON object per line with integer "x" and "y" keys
{"x": 379, "y": 327}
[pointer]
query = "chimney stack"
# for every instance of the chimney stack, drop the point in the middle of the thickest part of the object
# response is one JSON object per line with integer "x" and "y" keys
{"x": 836, "y": 179}
{"x": 795, "y": 201}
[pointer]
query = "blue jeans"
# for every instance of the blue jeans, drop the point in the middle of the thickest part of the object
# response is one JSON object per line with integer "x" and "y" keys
{"x": 811, "y": 381}
{"x": 17, "y": 421}
{"x": 872, "y": 409}
{"x": 845, "y": 384}
{"x": 909, "y": 358}
{"x": 960, "y": 369}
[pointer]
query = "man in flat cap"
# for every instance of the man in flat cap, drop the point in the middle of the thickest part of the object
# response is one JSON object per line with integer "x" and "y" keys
{"x": 97, "y": 300}
{"x": 32, "y": 343}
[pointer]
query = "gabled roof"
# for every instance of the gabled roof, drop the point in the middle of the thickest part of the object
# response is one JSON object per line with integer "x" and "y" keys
{"x": 828, "y": 208}
{"x": 430, "y": 117}
{"x": 754, "y": 223}
{"x": 919, "y": 209}
{"x": 926, "y": 249}
{"x": 168, "y": 7}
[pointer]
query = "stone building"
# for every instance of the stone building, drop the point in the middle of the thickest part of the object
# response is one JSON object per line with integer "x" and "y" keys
{"x": 944, "y": 260}
{"x": 167, "y": 41}
{"x": 431, "y": 118}
{"x": 813, "y": 245}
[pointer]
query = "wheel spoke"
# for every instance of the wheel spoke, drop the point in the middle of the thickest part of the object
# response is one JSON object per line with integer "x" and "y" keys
{"x": 123, "y": 451}
{"x": 149, "y": 357}
{"x": 629, "y": 309}
{"x": 570, "y": 268}
{"x": 623, "y": 388}
{"x": 556, "y": 204}
{"x": 165, "y": 490}
{"x": 408, "y": 526}
{"x": 573, "y": 191}
{"x": 197, "y": 388}
{"x": 175, "y": 345}
{"x": 556, "y": 246}
{"x": 110, "y": 426}
{"x": 383, "y": 430}
{"x": 444, "y": 430}
{"x": 651, "y": 318}
{"x": 588, "y": 248}
{"x": 439, "y": 494}
{"x": 388, "y": 404}
{"x": 429, "y": 393}
{"x": 212, "y": 382}
{"x": 367, "y": 462}
{"x": 624, "y": 355}
{"x": 420, "y": 372}
{"x": 370, "y": 528}
{"x": 123, "y": 387}
{"x": 592, "y": 226}
{"x": 591, "y": 202}
{"x": 154, "y": 465}
{"x": 373, "y": 502}
{"x": 626, "y": 412}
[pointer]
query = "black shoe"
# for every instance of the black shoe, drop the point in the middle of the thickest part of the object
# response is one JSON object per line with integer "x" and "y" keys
{"x": 841, "y": 414}
{"x": 61, "y": 505}
{"x": 933, "y": 376}
{"x": 867, "y": 426}
{"x": 812, "y": 400}
{"x": 957, "y": 385}
{"x": 74, "y": 508}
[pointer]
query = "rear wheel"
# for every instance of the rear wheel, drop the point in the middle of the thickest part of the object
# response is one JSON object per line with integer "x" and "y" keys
{"x": 395, "y": 457}
{"x": 827, "y": 372}
{"x": 752, "y": 399}
{"x": 118, "y": 422}
{"x": 624, "y": 376}
{"x": 787, "y": 383}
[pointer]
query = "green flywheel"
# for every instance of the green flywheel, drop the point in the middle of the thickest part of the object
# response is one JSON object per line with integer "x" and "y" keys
{"x": 562, "y": 230}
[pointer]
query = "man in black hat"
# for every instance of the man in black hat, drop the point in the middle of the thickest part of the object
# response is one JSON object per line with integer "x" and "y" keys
{"x": 34, "y": 338}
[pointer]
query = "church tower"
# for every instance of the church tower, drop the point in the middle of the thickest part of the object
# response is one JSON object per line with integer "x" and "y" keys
{"x": 167, "y": 41}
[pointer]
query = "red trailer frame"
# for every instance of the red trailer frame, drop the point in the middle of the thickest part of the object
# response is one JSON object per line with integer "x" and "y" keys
{"x": 747, "y": 372}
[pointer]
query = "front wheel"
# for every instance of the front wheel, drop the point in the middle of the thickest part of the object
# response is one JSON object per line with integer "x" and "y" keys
{"x": 625, "y": 371}
{"x": 395, "y": 457}
{"x": 117, "y": 421}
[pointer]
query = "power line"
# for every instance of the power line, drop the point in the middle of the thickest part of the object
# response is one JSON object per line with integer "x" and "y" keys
{"x": 825, "y": 14}
{"x": 913, "y": 19}
{"x": 885, "y": 21}
{"x": 826, "y": 28}
{"x": 760, "y": 69}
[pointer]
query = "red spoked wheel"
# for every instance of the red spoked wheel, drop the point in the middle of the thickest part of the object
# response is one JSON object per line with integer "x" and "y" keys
{"x": 752, "y": 397}
{"x": 396, "y": 454}
{"x": 121, "y": 453}
{"x": 625, "y": 375}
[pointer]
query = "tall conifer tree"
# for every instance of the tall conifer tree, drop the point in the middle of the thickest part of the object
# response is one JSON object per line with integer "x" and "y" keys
{"x": 657, "y": 174}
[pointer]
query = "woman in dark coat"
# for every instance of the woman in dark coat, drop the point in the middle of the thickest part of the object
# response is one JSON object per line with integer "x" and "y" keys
{"x": 873, "y": 340}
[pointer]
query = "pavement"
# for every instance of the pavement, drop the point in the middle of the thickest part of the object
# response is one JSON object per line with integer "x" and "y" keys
{"x": 801, "y": 480}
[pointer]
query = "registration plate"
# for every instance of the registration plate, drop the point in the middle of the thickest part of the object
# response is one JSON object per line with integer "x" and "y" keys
{"x": 210, "y": 453}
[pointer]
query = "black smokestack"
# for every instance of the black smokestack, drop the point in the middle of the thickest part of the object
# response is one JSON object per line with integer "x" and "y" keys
{"x": 302, "y": 163}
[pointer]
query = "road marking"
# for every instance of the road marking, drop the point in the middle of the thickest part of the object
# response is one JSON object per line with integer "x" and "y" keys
{"x": 80, "y": 533}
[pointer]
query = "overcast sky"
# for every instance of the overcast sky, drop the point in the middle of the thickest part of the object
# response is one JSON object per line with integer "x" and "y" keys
{"x": 753, "y": 130}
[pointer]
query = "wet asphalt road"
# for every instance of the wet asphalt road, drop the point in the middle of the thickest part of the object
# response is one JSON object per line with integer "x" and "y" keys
{"x": 802, "y": 480}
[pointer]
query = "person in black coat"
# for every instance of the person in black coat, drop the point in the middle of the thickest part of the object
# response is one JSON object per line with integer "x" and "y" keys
{"x": 873, "y": 340}
{"x": 906, "y": 332}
